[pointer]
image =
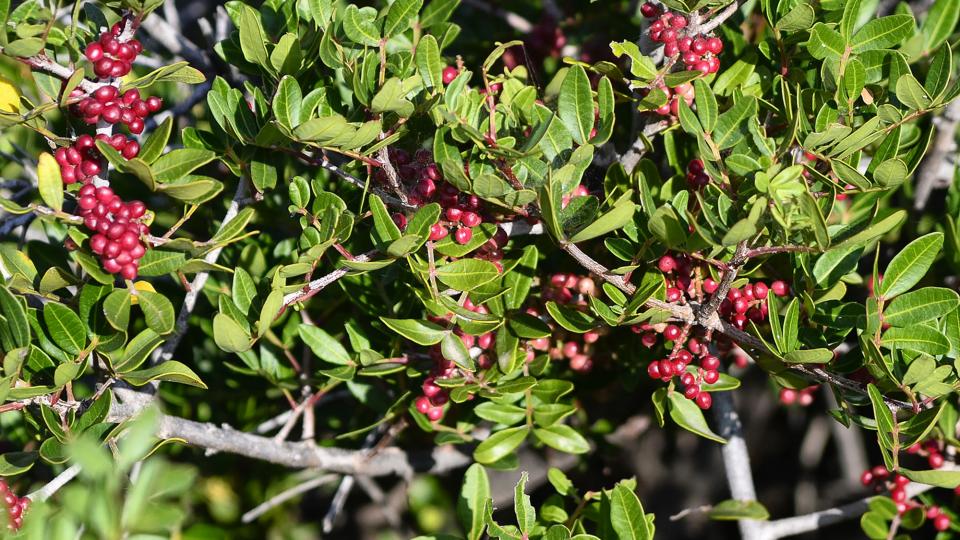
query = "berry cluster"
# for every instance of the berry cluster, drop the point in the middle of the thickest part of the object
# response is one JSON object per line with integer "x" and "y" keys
{"x": 678, "y": 365}
{"x": 682, "y": 91}
{"x": 572, "y": 290}
{"x": 698, "y": 52}
{"x": 696, "y": 177}
{"x": 434, "y": 397}
{"x": 461, "y": 213}
{"x": 879, "y": 479}
{"x": 741, "y": 303}
{"x": 117, "y": 228}
{"x": 683, "y": 282}
{"x": 802, "y": 397}
{"x": 110, "y": 57}
{"x": 931, "y": 450}
{"x": 82, "y": 161}
{"x": 106, "y": 104}
{"x": 16, "y": 506}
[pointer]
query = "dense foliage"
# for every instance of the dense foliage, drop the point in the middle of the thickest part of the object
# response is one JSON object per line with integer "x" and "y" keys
{"x": 363, "y": 243}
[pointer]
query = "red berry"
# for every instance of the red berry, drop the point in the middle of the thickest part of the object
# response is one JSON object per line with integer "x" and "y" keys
{"x": 702, "y": 66}
{"x": 449, "y": 74}
{"x": 678, "y": 21}
{"x": 684, "y": 44}
{"x": 691, "y": 392}
{"x": 471, "y": 219}
{"x": 666, "y": 370}
{"x": 935, "y": 459}
{"x": 715, "y": 45}
{"x": 866, "y": 477}
{"x": 704, "y": 400}
{"x": 941, "y": 522}
{"x": 649, "y": 10}
{"x": 690, "y": 58}
{"x": 454, "y": 214}
{"x": 103, "y": 68}
{"x": 126, "y": 52}
{"x": 711, "y": 376}
{"x": 668, "y": 35}
{"x": 672, "y": 332}
{"x": 130, "y": 149}
{"x": 699, "y": 46}
{"x": 667, "y": 264}
{"x": 154, "y": 103}
{"x": 94, "y": 52}
{"x": 435, "y": 414}
{"x": 423, "y": 405}
{"x": 128, "y": 271}
{"x": 111, "y": 113}
{"x": 110, "y": 46}
{"x": 136, "y": 126}
{"x": 780, "y": 288}
{"x": 463, "y": 235}
{"x": 111, "y": 266}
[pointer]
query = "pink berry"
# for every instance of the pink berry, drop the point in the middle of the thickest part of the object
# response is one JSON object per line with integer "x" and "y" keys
{"x": 449, "y": 74}
{"x": 463, "y": 235}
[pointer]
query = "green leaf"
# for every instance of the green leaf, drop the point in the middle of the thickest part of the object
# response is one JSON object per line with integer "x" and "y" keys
{"x": 563, "y": 438}
{"x": 429, "y": 63}
{"x": 417, "y": 331}
{"x": 116, "y": 308}
{"x": 732, "y": 509}
{"x": 360, "y": 26}
{"x": 65, "y": 327}
{"x": 884, "y": 418}
{"x": 229, "y": 335}
{"x": 882, "y": 33}
{"x": 706, "y": 105}
{"x": 252, "y": 36}
{"x": 825, "y": 42}
{"x": 156, "y": 143}
{"x": 170, "y": 371}
{"x": 575, "y": 104}
{"x": 941, "y": 69}
{"x": 912, "y": 94}
{"x": 522, "y": 508}
{"x": 500, "y": 444}
{"x": 940, "y": 22}
{"x": 909, "y": 266}
{"x": 14, "y": 463}
{"x": 324, "y": 345}
{"x": 24, "y": 48}
{"x": 157, "y": 310}
{"x": 179, "y": 163}
{"x": 688, "y": 416}
{"x": 943, "y": 479}
{"x": 500, "y": 413}
{"x": 287, "y": 102}
{"x": 453, "y": 349}
{"x": 613, "y": 220}
{"x": 626, "y": 515}
{"x": 916, "y": 338}
{"x": 399, "y": 16}
{"x": 920, "y": 306}
{"x": 137, "y": 350}
{"x": 473, "y": 498}
{"x": 570, "y": 318}
{"x": 392, "y": 98}
{"x": 49, "y": 181}
{"x": 810, "y": 356}
{"x": 157, "y": 262}
{"x": 467, "y": 274}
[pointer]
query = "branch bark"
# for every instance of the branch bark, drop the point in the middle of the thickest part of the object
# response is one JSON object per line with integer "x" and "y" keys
{"x": 937, "y": 167}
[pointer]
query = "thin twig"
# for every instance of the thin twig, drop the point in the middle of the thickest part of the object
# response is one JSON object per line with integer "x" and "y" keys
{"x": 196, "y": 286}
{"x": 285, "y": 496}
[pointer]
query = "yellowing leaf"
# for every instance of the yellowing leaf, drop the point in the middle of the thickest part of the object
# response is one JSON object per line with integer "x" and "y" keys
{"x": 141, "y": 286}
{"x": 9, "y": 96}
{"x": 49, "y": 181}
